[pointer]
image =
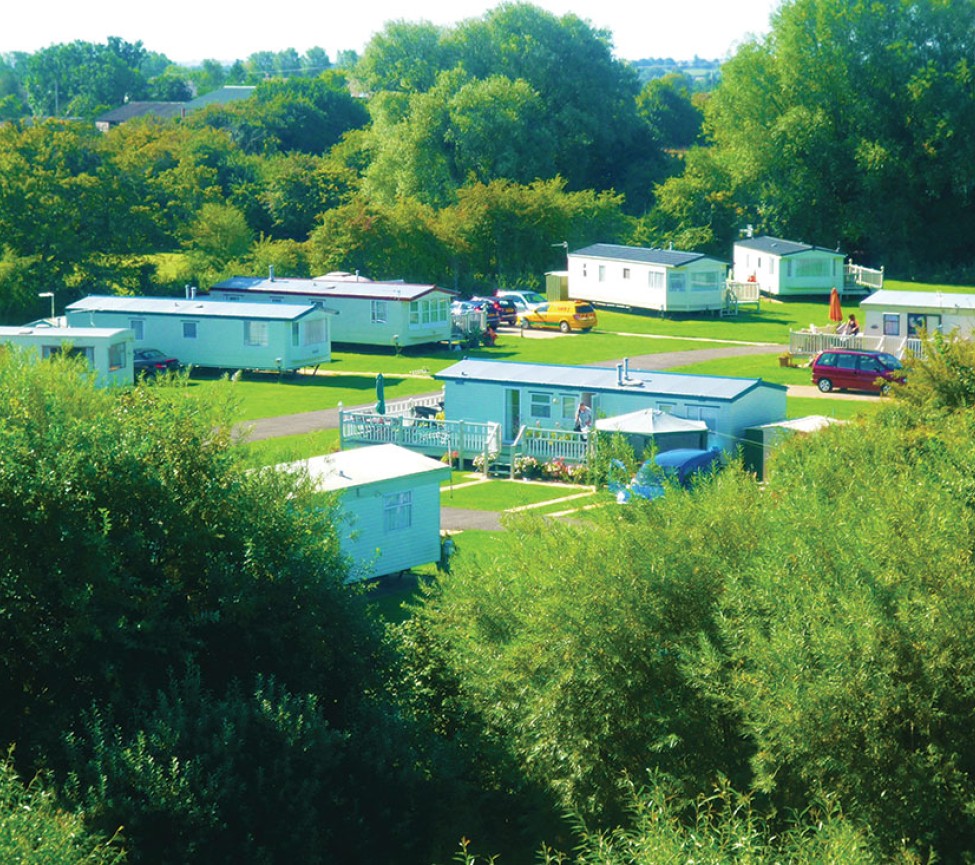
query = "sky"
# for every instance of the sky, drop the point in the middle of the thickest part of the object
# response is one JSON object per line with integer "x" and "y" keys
{"x": 188, "y": 31}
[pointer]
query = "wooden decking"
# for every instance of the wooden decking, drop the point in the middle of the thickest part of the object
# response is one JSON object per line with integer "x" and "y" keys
{"x": 459, "y": 440}
{"x": 810, "y": 342}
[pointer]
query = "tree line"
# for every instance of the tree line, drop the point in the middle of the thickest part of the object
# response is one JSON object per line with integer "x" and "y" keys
{"x": 465, "y": 155}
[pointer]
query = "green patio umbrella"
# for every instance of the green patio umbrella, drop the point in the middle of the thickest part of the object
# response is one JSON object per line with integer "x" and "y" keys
{"x": 380, "y": 395}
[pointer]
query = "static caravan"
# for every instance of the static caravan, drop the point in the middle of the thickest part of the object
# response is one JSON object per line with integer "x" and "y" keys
{"x": 546, "y": 396}
{"x": 213, "y": 333}
{"x": 908, "y": 313}
{"x": 367, "y": 313}
{"x": 108, "y": 350}
{"x": 389, "y": 500}
{"x": 664, "y": 280}
{"x": 784, "y": 267}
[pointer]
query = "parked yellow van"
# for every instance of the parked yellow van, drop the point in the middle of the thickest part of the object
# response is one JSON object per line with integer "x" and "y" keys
{"x": 566, "y": 315}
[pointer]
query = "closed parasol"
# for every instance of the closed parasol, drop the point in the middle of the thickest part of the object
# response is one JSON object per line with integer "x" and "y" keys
{"x": 380, "y": 395}
{"x": 835, "y": 312}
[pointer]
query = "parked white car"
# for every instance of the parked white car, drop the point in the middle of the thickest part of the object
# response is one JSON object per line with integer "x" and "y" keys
{"x": 524, "y": 301}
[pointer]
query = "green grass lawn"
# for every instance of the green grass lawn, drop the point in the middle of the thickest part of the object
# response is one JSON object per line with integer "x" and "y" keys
{"x": 350, "y": 377}
{"x": 390, "y": 598}
{"x": 503, "y": 495}
{"x": 268, "y": 395}
{"x": 286, "y": 449}
{"x": 842, "y": 409}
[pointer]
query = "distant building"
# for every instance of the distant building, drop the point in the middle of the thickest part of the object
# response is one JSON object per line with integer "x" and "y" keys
{"x": 367, "y": 313}
{"x": 167, "y": 110}
{"x": 785, "y": 267}
{"x": 108, "y": 350}
{"x": 906, "y": 314}
{"x": 212, "y": 333}
{"x": 132, "y": 110}
{"x": 664, "y": 280}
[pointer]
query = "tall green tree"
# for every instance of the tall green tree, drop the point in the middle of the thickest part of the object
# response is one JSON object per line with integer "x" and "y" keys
{"x": 80, "y": 79}
{"x": 850, "y": 123}
{"x": 403, "y": 57}
{"x": 438, "y": 95}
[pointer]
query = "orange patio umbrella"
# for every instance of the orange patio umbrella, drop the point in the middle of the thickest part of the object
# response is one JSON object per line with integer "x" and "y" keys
{"x": 835, "y": 313}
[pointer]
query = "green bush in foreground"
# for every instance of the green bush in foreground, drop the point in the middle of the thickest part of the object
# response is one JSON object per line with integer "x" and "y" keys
{"x": 34, "y": 831}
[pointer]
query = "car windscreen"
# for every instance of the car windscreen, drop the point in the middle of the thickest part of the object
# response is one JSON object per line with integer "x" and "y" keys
{"x": 889, "y": 361}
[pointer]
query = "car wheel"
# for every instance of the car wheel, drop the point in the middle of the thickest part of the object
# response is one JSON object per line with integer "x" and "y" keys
{"x": 825, "y": 385}
{"x": 884, "y": 389}
{"x": 564, "y": 326}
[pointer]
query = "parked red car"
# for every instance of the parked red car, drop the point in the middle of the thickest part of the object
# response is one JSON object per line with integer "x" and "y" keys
{"x": 843, "y": 368}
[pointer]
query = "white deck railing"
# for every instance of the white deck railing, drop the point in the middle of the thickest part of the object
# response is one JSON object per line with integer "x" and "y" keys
{"x": 804, "y": 342}
{"x": 405, "y": 406}
{"x": 548, "y": 444}
{"x": 745, "y": 292}
{"x": 868, "y": 277}
{"x": 466, "y": 438}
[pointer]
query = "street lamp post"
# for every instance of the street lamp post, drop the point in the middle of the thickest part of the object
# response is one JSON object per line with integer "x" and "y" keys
{"x": 49, "y": 294}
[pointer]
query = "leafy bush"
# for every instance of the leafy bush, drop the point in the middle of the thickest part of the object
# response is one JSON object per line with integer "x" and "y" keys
{"x": 34, "y": 830}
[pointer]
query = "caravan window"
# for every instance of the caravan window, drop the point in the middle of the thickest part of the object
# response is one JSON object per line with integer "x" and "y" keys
{"x": 704, "y": 280}
{"x": 812, "y": 267}
{"x": 892, "y": 324}
{"x": 116, "y": 356}
{"x": 70, "y": 351}
{"x": 138, "y": 326}
{"x": 540, "y": 405}
{"x": 656, "y": 279}
{"x": 379, "y": 312}
{"x": 189, "y": 330}
{"x": 314, "y": 331}
{"x": 255, "y": 333}
{"x": 397, "y": 511}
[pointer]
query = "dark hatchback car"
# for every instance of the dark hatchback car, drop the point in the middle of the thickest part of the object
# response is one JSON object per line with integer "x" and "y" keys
{"x": 502, "y": 307}
{"x": 842, "y": 369}
{"x": 151, "y": 362}
{"x": 492, "y": 312}
{"x": 507, "y": 310}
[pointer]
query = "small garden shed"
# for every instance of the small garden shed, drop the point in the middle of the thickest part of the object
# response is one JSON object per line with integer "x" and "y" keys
{"x": 760, "y": 441}
{"x": 907, "y": 313}
{"x": 786, "y": 267}
{"x": 214, "y": 333}
{"x": 107, "y": 350}
{"x": 664, "y": 280}
{"x": 546, "y": 396}
{"x": 367, "y": 312}
{"x": 389, "y": 499}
